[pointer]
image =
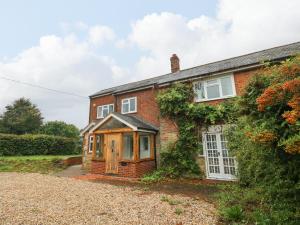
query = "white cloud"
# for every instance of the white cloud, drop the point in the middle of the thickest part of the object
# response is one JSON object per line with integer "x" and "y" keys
{"x": 239, "y": 27}
{"x": 61, "y": 63}
{"x": 99, "y": 34}
{"x": 74, "y": 64}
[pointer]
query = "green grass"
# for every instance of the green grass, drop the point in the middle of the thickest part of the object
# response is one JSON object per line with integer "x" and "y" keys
{"x": 33, "y": 164}
{"x": 170, "y": 200}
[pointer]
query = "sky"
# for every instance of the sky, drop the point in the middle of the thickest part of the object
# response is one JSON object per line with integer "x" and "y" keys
{"x": 81, "y": 47}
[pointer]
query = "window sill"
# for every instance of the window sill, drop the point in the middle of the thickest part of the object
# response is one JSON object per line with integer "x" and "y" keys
{"x": 129, "y": 112}
{"x": 213, "y": 99}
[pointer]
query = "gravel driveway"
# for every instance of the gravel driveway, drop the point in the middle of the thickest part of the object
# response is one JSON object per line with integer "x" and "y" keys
{"x": 44, "y": 199}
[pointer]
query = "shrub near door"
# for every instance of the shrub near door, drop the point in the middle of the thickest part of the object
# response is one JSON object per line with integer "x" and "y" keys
{"x": 11, "y": 145}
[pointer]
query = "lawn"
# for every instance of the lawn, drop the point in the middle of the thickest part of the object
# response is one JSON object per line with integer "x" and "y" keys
{"x": 33, "y": 164}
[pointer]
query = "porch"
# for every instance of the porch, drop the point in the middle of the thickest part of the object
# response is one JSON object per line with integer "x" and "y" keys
{"x": 122, "y": 145}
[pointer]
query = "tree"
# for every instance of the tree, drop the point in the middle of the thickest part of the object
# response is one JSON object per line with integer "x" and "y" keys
{"x": 60, "y": 128}
{"x": 21, "y": 117}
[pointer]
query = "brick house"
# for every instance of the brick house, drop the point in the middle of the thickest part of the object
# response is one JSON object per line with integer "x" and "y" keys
{"x": 126, "y": 133}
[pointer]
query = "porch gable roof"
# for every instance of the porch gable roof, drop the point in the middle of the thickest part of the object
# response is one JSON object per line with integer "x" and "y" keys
{"x": 131, "y": 121}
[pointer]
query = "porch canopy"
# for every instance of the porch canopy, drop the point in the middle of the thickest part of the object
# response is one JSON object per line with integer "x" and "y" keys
{"x": 123, "y": 138}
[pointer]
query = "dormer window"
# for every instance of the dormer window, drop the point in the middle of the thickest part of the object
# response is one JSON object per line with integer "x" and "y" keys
{"x": 104, "y": 110}
{"x": 129, "y": 105}
{"x": 216, "y": 88}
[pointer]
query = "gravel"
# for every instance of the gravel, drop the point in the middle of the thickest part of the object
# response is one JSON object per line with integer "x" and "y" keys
{"x": 44, "y": 199}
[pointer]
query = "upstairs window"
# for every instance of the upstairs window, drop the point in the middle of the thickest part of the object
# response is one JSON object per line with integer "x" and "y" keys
{"x": 222, "y": 87}
{"x": 104, "y": 110}
{"x": 129, "y": 105}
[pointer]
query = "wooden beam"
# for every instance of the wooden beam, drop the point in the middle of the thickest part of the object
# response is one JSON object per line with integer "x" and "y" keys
{"x": 120, "y": 130}
{"x": 135, "y": 146}
{"x": 152, "y": 146}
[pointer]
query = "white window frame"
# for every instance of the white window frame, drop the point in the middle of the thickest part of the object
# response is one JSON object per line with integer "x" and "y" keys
{"x": 218, "y": 79}
{"x": 149, "y": 145}
{"x": 100, "y": 114}
{"x": 91, "y": 143}
{"x": 128, "y": 99}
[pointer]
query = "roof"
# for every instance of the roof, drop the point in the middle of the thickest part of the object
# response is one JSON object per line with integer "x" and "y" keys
{"x": 272, "y": 54}
{"x": 131, "y": 121}
{"x": 87, "y": 128}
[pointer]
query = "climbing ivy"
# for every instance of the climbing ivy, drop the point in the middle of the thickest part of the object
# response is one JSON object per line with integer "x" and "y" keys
{"x": 176, "y": 103}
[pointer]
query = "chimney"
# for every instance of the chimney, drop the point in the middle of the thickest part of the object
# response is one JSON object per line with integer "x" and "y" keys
{"x": 174, "y": 63}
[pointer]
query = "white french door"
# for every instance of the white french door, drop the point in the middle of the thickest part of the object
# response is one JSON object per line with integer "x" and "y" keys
{"x": 219, "y": 164}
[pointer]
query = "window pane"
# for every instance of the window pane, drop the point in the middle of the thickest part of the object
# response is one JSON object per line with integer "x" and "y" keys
{"x": 132, "y": 105}
{"x": 213, "y": 91}
{"x": 91, "y": 143}
{"x": 226, "y": 86}
{"x": 99, "y": 146}
{"x": 111, "y": 108}
{"x": 128, "y": 146}
{"x": 125, "y": 108}
{"x": 199, "y": 90}
{"x": 105, "y": 112}
{"x": 212, "y": 82}
{"x": 99, "y": 111}
{"x": 144, "y": 147}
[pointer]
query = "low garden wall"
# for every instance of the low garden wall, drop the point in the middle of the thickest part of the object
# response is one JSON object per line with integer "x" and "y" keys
{"x": 76, "y": 160}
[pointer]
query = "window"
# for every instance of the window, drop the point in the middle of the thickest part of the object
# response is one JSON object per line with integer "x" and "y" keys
{"x": 99, "y": 146}
{"x": 128, "y": 146}
{"x": 129, "y": 105}
{"x": 221, "y": 87}
{"x": 91, "y": 142}
{"x": 104, "y": 110}
{"x": 144, "y": 147}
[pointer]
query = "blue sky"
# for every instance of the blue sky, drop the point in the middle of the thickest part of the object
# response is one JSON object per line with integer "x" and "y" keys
{"x": 24, "y": 22}
{"x": 85, "y": 46}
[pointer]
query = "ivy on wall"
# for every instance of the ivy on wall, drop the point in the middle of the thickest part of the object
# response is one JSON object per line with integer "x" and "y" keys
{"x": 176, "y": 103}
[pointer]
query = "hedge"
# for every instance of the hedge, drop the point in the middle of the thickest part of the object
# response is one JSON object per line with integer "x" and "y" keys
{"x": 35, "y": 144}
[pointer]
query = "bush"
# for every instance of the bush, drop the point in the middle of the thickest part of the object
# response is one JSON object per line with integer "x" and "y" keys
{"x": 265, "y": 142}
{"x": 232, "y": 213}
{"x": 12, "y": 145}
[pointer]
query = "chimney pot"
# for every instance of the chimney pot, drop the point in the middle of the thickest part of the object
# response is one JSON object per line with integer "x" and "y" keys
{"x": 175, "y": 66}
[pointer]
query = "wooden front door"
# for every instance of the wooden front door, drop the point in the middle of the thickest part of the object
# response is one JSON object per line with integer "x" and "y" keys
{"x": 113, "y": 144}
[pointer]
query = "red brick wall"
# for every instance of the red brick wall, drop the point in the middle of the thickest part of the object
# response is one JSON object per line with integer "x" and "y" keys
{"x": 137, "y": 169}
{"x": 241, "y": 80}
{"x": 109, "y": 99}
{"x": 147, "y": 107}
{"x": 131, "y": 169}
{"x": 76, "y": 160}
{"x": 144, "y": 167}
{"x": 98, "y": 167}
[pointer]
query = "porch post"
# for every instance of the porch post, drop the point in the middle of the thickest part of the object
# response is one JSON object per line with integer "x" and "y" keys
{"x": 152, "y": 146}
{"x": 135, "y": 146}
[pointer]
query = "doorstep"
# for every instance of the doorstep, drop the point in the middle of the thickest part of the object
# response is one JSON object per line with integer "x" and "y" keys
{"x": 99, "y": 177}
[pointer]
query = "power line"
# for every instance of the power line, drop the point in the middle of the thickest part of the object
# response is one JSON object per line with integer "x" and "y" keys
{"x": 41, "y": 87}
